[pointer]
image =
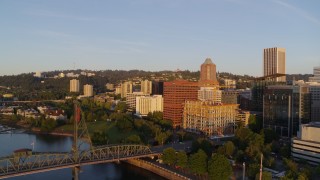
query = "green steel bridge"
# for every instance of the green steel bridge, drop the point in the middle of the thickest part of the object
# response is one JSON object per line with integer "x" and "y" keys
{"x": 27, "y": 162}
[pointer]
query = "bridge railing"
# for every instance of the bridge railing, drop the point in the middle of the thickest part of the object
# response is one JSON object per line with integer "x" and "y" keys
{"x": 33, "y": 162}
{"x": 114, "y": 152}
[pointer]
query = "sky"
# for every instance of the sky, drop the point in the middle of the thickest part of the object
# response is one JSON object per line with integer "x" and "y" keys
{"x": 155, "y": 35}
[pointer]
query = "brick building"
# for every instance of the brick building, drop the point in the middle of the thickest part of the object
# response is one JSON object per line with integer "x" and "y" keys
{"x": 175, "y": 94}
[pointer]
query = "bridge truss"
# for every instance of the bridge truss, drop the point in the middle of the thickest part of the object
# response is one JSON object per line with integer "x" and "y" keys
{"x": 80, "y": 155}
{"x": 42, "y": 162}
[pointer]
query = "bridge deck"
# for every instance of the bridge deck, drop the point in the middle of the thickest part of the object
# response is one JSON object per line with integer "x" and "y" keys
{"x": 42, "y": 162}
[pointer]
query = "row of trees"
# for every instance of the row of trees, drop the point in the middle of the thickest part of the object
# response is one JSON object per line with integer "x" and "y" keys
{"x": 216, "y": 167}
{"x": 45, "y": 124}
{"x": 154, "y": 128}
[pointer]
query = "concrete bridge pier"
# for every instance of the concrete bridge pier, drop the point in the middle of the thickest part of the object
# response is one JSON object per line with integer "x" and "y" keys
{"x": 75, "y": 173}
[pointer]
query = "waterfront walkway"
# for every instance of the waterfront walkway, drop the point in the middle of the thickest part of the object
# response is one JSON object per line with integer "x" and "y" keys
{"x": 158, "y": 169}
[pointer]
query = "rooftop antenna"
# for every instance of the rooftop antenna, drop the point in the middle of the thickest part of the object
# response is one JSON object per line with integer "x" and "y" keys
{"x": 74, "y": 66}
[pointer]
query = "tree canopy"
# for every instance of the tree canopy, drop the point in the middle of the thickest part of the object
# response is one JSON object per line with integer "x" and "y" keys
{"x": 198, "y": 162}
{"x": 219, "y": 167}
{"x": 182, "y": 159}
{"x": 169, "y": 156}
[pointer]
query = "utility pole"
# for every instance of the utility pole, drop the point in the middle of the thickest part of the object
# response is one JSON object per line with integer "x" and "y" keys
{"x": 261, "y": 167}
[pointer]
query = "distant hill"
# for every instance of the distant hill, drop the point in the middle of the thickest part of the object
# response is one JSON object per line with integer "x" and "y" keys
{"x": 27, "y": 87}
{"x": 296, "y": 77}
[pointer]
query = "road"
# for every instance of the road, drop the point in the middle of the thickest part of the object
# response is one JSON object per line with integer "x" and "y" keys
{"x": 177, "y": 146}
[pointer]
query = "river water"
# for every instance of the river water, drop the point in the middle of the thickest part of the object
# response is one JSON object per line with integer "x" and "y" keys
{"x": 45, "y": 143}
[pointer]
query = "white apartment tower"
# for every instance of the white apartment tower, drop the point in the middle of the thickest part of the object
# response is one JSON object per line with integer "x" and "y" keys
{"x": 131, "y": 99}
{"x": 88, "y": 90}
{"x": 274, "y": 62}
{"x": 74, "y": 85}
{"x": 146, "y": 104}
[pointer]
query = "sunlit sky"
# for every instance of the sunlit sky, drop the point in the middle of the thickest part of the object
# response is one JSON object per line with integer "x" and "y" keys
{"x": 154, "y": 35}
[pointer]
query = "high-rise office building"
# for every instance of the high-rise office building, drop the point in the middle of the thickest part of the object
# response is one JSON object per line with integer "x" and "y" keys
{"x": 74, "y": 85}
{"x": 230, "y": 96}
{"x": 88, "y": 90}
{"x": 315, "y": 101}
{"x": 157, "y": 87}
{"x": 146, "y": 87}
{"x": 285, "y": 108}
{"x": 208, "y": 72}
{"x": 175, "y": 94}
{"x": 274, "y": 62}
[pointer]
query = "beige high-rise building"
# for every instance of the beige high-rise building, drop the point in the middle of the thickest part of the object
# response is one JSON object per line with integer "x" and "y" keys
{"x": 274, "y": 62}
{"x": 147, "y": 104}
{"x": 126, "y": 87}
{"x": 208, "y": 72}
{"x": 146, "y": 87}
{"x": 74, "y": 85}
{"x": 88, "y": 90}
{"x": 209, "y": 94}
{"x": 131, "y": 99}
{"x": 118, "y": 89}
{"x": 209, "y": 118}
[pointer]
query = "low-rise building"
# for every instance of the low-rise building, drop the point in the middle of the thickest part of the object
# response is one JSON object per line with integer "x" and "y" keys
{"x": 56, "y": 114}
{"x": 61, "y": 75}
{"x": 110, "y": 87}
{"x": 307, "y": 143}
{"x": 103, "y": 98}
{"x": 243, "y": 117}
{"x": 43, "y": 109}
{"x": 7, "y": 111}
{"x": 38, "y": 74}
{"x": 28, "y": 113}
{"x": 8, "y": 96}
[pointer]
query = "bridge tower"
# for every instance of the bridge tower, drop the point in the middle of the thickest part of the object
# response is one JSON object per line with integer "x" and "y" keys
{"x": 80, "y": 137}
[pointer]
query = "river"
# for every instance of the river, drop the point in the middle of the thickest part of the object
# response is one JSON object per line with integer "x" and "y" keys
{"x": 45, "y": 143}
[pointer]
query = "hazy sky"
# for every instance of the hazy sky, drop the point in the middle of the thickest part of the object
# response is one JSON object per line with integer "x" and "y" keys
{"x": 46, "y": 35}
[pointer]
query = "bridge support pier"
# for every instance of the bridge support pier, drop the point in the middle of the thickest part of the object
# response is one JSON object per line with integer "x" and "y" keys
{"x": 75, "y": 173}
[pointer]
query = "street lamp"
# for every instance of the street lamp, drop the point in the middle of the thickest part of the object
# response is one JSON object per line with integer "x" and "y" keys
{"x": 243, "y": 171}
